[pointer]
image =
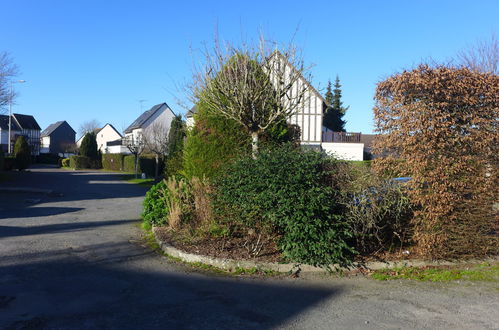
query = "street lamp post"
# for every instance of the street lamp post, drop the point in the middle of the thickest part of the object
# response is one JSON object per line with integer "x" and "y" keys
{"x": 10, "y": 111}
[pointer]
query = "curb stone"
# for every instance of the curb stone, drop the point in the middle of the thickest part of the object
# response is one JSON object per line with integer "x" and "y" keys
{"x": 231, "y": 264}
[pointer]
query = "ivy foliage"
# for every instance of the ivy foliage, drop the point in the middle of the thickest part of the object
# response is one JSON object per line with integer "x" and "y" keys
{"x": 286, "y": 192}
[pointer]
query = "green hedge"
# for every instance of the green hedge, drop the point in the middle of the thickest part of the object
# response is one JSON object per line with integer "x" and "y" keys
{"x": 2, "y": 157}
{"x": 147, "y": 164}
{"x": 113, "y": 162}
{"x": 82, "y": 162}
{"x": 9, "y": 163}
{"x": 48, "y": 159}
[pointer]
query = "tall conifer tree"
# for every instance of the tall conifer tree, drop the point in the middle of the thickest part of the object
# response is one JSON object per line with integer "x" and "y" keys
{"x": 333, "y": 117}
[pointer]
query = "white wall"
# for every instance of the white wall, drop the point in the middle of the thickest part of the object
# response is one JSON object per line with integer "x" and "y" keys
{"x": 117, "y": 150}
{"x": 45, "y": 142}
{"x": 106, "y": 134}
{"x": 344, "y": 151}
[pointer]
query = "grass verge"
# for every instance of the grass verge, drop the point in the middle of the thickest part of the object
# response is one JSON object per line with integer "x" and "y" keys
{"x": 143, "y": 182}
{"x": 482, "y": 272}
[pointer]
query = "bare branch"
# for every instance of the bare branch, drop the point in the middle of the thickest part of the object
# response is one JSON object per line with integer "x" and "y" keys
{"x": 8, "y": 70}
{"x": 483, "y": 56}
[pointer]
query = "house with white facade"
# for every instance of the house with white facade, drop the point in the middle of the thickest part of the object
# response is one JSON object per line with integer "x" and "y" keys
{"x": 308, "y": 117}
{"x": 4, "y": 132}
{"x": 25, "y": 125}
{"x": 160, "y": 114}
{"x": 104, "y": 135}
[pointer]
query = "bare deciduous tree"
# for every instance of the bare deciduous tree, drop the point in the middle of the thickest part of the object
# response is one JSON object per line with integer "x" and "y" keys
{"x": 254, "y": 85}
{"x": 136, "y": 146}
{"x": 483, "y": 56}
{"x": 8, "y": 70}
{"x": 156, "y": 140}
{"x": 89, "y": 126}
{"x": 69, "y": 148}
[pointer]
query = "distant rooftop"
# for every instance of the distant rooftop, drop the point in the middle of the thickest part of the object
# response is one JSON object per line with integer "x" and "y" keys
{"x": 139, "y": 122}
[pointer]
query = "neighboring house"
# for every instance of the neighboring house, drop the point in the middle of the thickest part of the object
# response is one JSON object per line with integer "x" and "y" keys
{"x": 308, "y": 118}
{"x": 160, "y": 114}
{"x": 104, "y": 135}
{"x": 24, "y": 125}
{"x": 58, "y": 138}
{"x": 4, "y": 132}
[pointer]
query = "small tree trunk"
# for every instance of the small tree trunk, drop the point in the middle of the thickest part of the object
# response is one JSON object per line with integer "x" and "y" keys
{"x": 254, "y": 144}
{"x": 136, "y": 166}
{"x": 156, "y": 170}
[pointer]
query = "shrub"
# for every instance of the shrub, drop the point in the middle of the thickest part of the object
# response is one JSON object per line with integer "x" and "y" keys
{"x": 89, "y": 147}
{"x": 215, "y": 140}
{"x": 48, "y": 159}
{"x": 82, "y": 162}
{"x": 179, "y": 202}
{"x": 155, "y": 209}
{"x": 113, "y": 162}
{"x": 9, "y": 163}
{"x": 22, "y": 153}
{"x": 146, "y": 164}
{"x": 2, "y": 157}
{"x": 66, "y": 162}
{"x": 439, "y": 126}
{"x": 286, "y": 192}
{"x": 380, "y": 216}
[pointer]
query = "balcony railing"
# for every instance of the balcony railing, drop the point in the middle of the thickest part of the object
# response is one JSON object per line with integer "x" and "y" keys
{"x": 342, "y": 137}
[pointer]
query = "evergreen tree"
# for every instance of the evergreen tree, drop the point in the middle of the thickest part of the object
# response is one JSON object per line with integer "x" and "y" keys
{"x": 22, "y": 153}
{"x": 88, "y": 146}
{"x": 333, "y": 116}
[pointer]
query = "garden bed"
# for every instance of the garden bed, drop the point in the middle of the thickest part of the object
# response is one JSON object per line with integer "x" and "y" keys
{"x": 221, "y": 247}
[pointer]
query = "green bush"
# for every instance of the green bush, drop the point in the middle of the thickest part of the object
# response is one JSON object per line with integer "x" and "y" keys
{"x": 286, "y": 191}
{"x": 113, "y": 162}
{"x": 89, "y": 147}
{"x": 155, "y": 210}
{"x": 66, "y": 162}
{"x": 2, "y": 157}
{"x": 9, "y": 163}
{"x": 22, "y": 153}
{"x": 215, "y": 140}
{"x": 146, "y": 164}
{"x": 48, "y": 159}
{"x": 82, "y": 162}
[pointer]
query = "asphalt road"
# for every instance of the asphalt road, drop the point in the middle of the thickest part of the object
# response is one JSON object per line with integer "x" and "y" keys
{"x": 74, "y": 259}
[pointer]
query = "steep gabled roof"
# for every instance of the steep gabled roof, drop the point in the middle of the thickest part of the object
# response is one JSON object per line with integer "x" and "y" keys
{"x": 191, "y": 112}
{"x": 100, "y": 129}
{"x": 139, "y": 122}
{"x": 52, "y": 127}
{"x": 307, "y": 83}
{"x": 26, "y": 121}
{"x": 4, "y": 123}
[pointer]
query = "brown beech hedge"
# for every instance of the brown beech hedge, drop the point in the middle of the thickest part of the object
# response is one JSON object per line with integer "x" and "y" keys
{"x": 438, "y": 125}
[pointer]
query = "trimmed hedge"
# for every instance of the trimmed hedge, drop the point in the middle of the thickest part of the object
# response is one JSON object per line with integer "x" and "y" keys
{"x": 82, "y": 162}
{"x": 48, "y": 159}
{"x": 113, "y": 162}
{"x": 146, "y": 164}
{"x": 9, "y": 163}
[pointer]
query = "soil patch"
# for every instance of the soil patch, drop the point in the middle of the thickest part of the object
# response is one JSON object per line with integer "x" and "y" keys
{"x": 238, "y": 248}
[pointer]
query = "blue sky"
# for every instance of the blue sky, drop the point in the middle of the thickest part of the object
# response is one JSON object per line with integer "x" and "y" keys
{"x": 86, "y": 60}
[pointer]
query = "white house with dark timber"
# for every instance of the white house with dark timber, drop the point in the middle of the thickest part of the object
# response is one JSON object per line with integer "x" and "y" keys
{"x": 308, "y": 117}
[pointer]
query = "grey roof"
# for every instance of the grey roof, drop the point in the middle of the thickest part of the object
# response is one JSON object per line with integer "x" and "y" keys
{"x": 145, "y": 116}
{"x": 191, "y": 112}
{"x": 53, "y": 127}
{"x": 26, "y": 121}
{"x": 4, "y": 123}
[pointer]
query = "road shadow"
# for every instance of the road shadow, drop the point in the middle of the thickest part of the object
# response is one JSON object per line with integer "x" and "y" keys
{"x": 67, "y": 292}
{"x": 11, "y": 231}
{"x": 31, "y": 212}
